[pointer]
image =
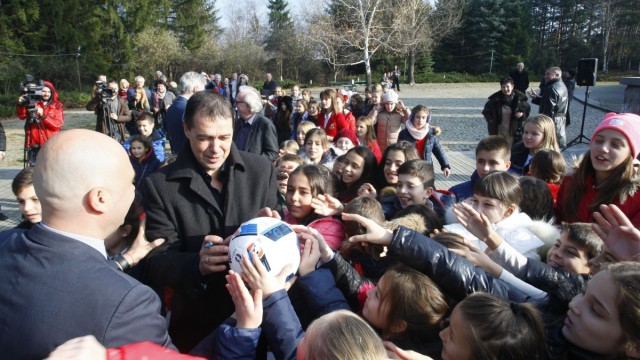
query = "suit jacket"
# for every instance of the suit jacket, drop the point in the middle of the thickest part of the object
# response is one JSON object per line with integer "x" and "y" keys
{"x": 180, "y": 207}
{"x": 55, "y": 288}
{"x": 262, "y": 140}
{"x": 173, "y": 124}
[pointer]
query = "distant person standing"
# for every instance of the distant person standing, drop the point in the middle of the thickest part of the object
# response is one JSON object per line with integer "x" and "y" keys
{"x": 553, "y": 100}
{"x": 190, "y": 83}
{"x": 505, "y": 112}
{"x": 520, "y": 78}
{"x": 269, "y": 85}
{"x": 569, "y": 80}
{"x": 396, "y": 78}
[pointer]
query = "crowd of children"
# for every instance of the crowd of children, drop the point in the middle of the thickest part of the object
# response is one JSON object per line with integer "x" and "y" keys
{"x": 522, "y": 261}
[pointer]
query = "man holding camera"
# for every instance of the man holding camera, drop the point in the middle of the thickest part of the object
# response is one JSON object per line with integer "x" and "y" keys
{"x": 111, "y": 110}
{"x": 42, "y": 110}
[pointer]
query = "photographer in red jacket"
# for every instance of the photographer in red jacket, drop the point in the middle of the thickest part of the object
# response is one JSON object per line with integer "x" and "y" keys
{"x": 44, "y": 113}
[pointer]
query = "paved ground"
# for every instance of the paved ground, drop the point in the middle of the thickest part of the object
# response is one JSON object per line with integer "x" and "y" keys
{"x": 456, "y": 109}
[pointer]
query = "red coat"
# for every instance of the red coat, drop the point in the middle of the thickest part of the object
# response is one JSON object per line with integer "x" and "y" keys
{"x": 49, "y": 124}
{"x": 146, "y": 350}
{"x": 631, "y": 207}
{"x": 375, "y": 148}
{"x": 336, "y": 123}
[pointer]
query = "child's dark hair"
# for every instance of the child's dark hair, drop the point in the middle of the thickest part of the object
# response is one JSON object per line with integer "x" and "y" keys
{"x": 23, "y": 180}
{"x": 583, "y": 235}
{"x": 537, "y": 201}
{"x": 494, "y": 143}
{"x": 627, "y": 281}
{"x": 420, "y": 108}
{"x": 350, "y": 191}
{"x": 548, "y": 165}
{"x": 364, "y": 206}
{"x": 317, "y": 132}
{"x": 409, "y": 151}
{"x": 499, "y": 185}
{"x": 145, "y": 116}
{"x": 144, "y": 140}
{"x": 412, "y": 298}
{"x": 450, "y": 240}
{"x": 290, "y": 158}
{"x": 499, "y": 329}
{"x": 318, "y": 176}
{"x": 421, "y": 169}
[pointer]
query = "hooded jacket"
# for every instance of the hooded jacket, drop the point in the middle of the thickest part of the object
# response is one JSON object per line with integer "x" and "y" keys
{"x": 47, "y": 125}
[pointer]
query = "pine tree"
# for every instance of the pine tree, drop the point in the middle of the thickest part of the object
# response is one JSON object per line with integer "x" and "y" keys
{"x": 281, "y": 41}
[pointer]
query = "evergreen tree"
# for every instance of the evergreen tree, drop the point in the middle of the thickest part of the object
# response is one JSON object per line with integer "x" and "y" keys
{"x": 281, "y": 41}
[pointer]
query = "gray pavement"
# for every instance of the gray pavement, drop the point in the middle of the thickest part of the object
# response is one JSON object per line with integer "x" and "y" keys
{"x": 456, "y": 108}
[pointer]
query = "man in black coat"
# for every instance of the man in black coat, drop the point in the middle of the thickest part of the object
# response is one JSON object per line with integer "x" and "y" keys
{"x": 520, "y": 78}
{"x": 253, "y": 132}
{"x": 553, "y": 101}
{"x": 195, "y": 203}
{"x": 57, "y": 283}
{"x": 505, "y": 111}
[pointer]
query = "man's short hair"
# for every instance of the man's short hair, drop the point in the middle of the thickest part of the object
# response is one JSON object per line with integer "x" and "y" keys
{"x": 138, "y": 78}
{"x": 421, "y": 169}
{"x": 555, "y": 70}
{"x": 190, "y": 80}
{"x": 145, "y": 116}
{"x": 252, "y": 98}
{"x": 494, "y": 143}
{"x": 506, "y": 80}
{"x": 209, "y": 105}
{"x": 23, "y": 180}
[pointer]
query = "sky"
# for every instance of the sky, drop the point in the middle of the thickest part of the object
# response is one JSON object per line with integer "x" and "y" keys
{"x": 226, "y": 7}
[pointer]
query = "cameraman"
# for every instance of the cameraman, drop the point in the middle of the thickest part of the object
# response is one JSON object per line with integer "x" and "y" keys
{"x": 49, "y": 116}
{"x": 111, "y": 111}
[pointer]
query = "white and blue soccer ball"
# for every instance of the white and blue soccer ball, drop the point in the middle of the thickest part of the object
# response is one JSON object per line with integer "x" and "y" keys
{"x": 273, "y": 240}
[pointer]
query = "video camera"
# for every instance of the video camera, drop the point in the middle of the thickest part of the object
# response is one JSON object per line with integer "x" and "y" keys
{"x": 31, "y": 91}
{"x": 104, "y": 90}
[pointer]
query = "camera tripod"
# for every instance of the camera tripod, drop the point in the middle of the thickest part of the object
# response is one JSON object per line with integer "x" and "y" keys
{"x": 31, "y": 150}
{"x": 579, "y": 138}
{"x": 110, "y": 125}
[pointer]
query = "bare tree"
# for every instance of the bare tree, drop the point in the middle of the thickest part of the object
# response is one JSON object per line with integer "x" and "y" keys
{"x": 351, "y": 32}
{"x": 421, "y": 26}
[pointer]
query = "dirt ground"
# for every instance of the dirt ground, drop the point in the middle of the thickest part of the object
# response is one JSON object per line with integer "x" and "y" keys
{"x": 14, "y": 129}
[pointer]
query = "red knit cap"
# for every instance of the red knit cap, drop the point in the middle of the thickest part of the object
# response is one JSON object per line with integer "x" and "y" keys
{"x": 627, "y": 124}
{"x": 349, "y": 134}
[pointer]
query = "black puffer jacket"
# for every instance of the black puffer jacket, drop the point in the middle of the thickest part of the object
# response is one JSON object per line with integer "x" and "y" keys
{"x": 492, "y": 113}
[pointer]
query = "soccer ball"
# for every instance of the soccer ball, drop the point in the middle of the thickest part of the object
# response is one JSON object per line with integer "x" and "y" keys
{"x": 273, "y": 240}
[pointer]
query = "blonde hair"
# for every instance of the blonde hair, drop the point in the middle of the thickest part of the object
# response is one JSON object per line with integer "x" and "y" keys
{"x": 306, "y": 126}
{"x": 143, "y": 97}
{"x": 341, "y": 335}
{"x": 548, "y": 128}
{"x": 371, "y": 134}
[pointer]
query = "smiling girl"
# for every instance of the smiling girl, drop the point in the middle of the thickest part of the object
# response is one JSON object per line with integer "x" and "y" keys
{"x": 331, "y": 119}
{"x": 497, "y": 196}
{"x": 316, "y": 147}
{"x": 606, "y": 174}
{"x": 419, "y": 132}
{"x": 359, "y": 166}
{"x": 305, "y": 182}
{"x": 539, "y": 133}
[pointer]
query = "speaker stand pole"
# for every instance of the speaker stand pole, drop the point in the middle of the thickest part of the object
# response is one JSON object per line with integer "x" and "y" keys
{"x": 578, "y": 140}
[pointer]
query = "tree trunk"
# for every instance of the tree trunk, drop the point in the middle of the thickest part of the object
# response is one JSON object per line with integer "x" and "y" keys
{"x": 367, "y": 66}
{"x": 412, "y": 66}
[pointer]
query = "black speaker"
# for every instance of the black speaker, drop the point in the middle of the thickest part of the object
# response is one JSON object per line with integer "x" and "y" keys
{"x": 587, "y": 70}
